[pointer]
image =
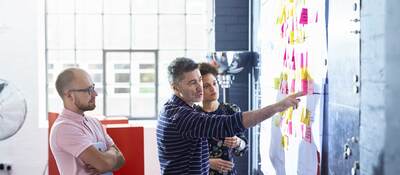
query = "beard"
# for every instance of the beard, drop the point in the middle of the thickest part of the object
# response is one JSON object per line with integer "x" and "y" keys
{"x": 85, "y": 106}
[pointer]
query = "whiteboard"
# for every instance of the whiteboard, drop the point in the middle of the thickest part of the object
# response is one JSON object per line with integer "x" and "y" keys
{"x": 292, "y": 40}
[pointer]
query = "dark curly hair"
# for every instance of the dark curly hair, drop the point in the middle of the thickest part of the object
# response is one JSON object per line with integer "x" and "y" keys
{"x": 206, "y": 68}
{"x": 179, "y": 66}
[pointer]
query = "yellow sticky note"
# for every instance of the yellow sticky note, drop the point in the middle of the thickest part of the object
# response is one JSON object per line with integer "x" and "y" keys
{"x": 285, "y": 142}
{"x": 292, "y": 37}
{"x": 283, "y": 14}
{"x": 304, "y": 74}
{"x": 277, "y": 121}
{"x": 289, "y": 114}
{"x": 305, "y": 116}
{"x": 281, "y": 114}
{"x": 291, "y": 12}
{"x": 277, "y": 83}
{"x": 307, "y": 120}
{"x": 284, "y": 76}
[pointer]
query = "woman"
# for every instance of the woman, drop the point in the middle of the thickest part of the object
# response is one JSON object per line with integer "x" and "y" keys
{"x": 221, "y": 149}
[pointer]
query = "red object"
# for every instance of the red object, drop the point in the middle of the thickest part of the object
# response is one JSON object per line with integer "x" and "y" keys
{"x": 129, "y": 139}
{"x": 53, "y": 170}
{"x": 114, "y": 120}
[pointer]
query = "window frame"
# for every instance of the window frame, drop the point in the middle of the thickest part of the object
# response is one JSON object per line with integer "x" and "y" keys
{"x": 130, "y": 51}
{"x": 76, "y": 12}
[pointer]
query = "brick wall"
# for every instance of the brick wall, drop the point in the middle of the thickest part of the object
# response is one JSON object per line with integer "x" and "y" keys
{"x": 380, "y": 88}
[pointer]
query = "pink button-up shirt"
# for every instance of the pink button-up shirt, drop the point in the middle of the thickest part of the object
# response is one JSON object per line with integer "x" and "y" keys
{"x": 70, "y": 135}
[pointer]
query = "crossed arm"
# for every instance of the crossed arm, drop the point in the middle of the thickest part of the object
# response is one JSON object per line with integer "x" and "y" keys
{"x": 110, "y": 160}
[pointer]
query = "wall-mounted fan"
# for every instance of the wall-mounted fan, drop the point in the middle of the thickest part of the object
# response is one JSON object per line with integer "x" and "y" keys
{"x": 12, "y": 109}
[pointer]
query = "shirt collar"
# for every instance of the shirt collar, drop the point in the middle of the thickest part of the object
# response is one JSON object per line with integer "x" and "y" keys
{"x": 175, "y": 99}
{"x": 68, "y": 114}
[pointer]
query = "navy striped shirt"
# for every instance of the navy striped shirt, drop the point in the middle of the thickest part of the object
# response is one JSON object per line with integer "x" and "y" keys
{"x": 182, "y": 134}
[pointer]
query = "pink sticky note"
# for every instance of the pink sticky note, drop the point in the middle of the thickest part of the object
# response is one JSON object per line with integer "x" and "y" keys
{"x": 293, "y": 61}
{"x": 316, "y": 18}
{"x": 293, "y": 86}
{"x": 304, "y": 86}
{"x": 301, "y": 61}
{"x": 284, "y": 87}
{"x": 284, "y": 58}
{"x": 307, "y": 135}
{"x": 289, "y": 128}
{"x": 304, "y": 16}
{"x": 310, "y": 87}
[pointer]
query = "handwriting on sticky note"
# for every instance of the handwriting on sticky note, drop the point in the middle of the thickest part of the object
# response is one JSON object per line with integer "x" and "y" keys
{"x": 307, "y": 134}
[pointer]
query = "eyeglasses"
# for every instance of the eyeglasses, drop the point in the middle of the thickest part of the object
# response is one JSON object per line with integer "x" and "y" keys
{"x": 90, "y": 90}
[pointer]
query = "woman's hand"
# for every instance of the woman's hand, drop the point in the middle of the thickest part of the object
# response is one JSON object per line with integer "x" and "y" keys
{"x": 220, "y": 165}
{"x": 232, "y": 142}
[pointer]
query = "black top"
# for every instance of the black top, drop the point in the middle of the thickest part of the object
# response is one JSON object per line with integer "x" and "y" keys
{"x": 215, "y": 144}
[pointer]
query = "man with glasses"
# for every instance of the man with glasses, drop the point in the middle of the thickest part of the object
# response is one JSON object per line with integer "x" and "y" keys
{"x": 79, "y": 143}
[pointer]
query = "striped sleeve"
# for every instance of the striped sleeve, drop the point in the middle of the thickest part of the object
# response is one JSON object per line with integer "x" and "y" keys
{"x": 193, "y": 124}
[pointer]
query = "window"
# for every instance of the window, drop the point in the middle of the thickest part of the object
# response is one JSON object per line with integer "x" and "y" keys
{"x": 125, "y": 46}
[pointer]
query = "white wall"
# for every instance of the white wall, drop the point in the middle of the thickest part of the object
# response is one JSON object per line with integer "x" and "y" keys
{"x": 151, "y": 163}
{"x": 27, "y": 150}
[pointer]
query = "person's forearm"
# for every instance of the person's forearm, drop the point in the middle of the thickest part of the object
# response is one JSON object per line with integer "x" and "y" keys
{"x": 251, "y": 118}
{"x": 118, "y": 158}
{"x": 113, "y": 160}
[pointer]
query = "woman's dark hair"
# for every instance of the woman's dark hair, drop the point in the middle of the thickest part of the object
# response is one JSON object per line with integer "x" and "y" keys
{"x": 206, "y": 68}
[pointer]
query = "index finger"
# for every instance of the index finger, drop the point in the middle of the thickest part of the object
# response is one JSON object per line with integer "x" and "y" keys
{"x": 298, "y": 94}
